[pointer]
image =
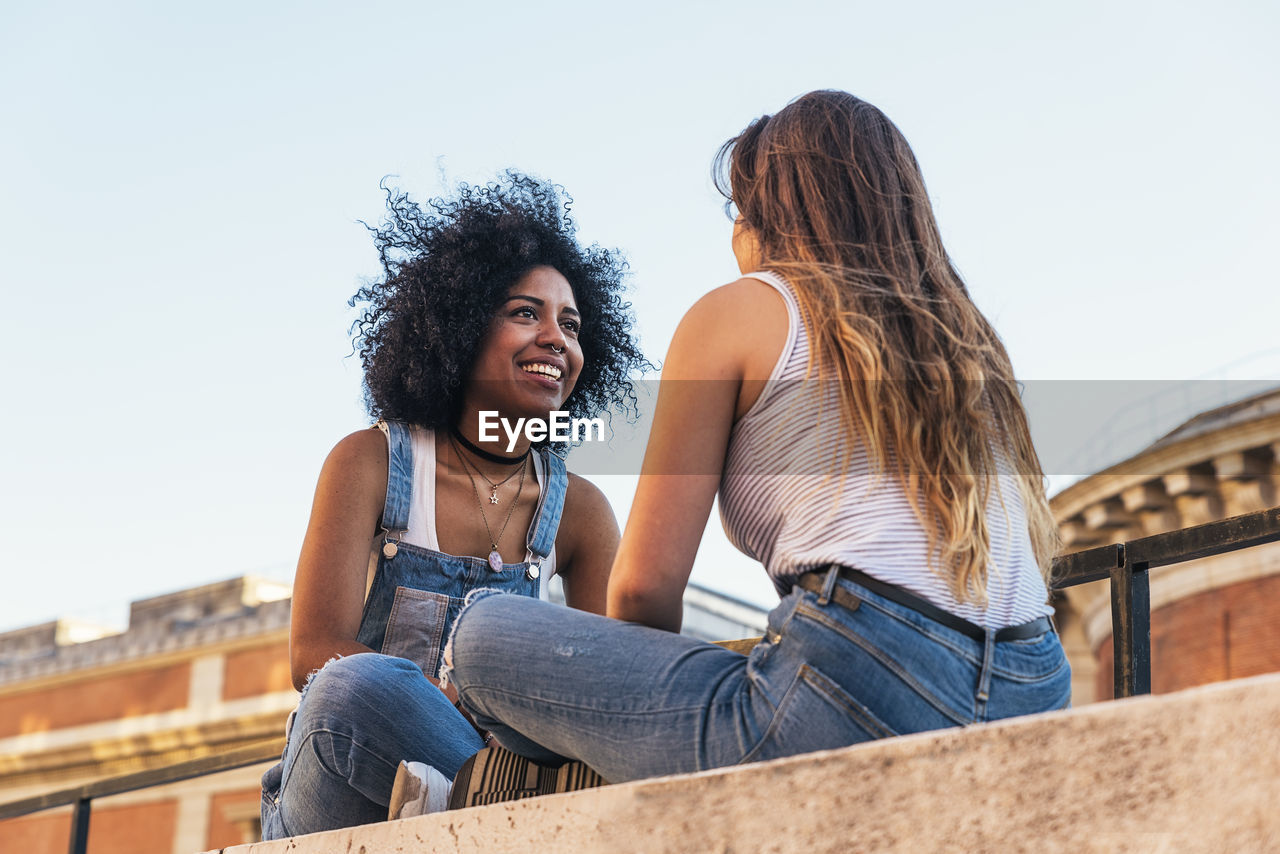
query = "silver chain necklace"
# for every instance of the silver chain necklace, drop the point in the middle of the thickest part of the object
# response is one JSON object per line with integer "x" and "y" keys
{"x": 495, "y": 557}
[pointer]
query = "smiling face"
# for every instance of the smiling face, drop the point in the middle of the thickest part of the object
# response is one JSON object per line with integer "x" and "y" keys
{"x": 530, "y": 358}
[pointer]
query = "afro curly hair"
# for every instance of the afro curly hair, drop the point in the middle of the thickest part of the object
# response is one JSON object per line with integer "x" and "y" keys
{"x": 446, "y": 270}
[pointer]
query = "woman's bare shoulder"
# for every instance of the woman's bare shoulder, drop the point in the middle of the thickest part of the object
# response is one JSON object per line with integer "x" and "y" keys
{"x": 744, "y": 295}
{"x": 583, "y": 496}
{"x": 739, "y": 329}
{"x": 587, "y": 515}
{"x": 362, "y": 454}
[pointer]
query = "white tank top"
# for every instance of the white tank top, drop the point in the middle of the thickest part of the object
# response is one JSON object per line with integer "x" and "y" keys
{"x": 422, "y": 507}
{"x": 782, "y": 502}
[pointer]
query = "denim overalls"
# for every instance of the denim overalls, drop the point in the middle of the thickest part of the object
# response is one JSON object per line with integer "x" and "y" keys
{"x": 360, "y": 715}
{"x": 417, "y": 593}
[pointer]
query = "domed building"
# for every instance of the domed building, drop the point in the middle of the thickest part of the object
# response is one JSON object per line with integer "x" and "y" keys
{"x": 1213, "y": 618}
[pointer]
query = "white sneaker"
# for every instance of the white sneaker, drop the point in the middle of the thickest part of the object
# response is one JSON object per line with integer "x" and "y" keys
{"x": 419, "y": 789}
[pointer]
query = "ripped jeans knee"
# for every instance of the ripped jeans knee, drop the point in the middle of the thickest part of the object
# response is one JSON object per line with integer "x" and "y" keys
{"x": 446, "y": 666}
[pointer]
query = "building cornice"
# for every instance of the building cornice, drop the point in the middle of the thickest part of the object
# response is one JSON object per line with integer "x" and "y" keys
{"x": 1158, "y": 461}
{"x": 149, "y": 645}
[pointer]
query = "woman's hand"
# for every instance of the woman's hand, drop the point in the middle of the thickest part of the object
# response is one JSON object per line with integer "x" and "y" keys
{"x": 722, "y": 354}
{"x": 328, "y": 590}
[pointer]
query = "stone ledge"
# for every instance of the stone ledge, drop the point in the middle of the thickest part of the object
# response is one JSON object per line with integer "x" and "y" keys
{"x": 1196, "y": 770}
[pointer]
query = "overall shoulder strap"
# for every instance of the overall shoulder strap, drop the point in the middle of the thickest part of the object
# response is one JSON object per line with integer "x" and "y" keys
{"x": 395, "y": 510}
{"x": 546, "y": 519}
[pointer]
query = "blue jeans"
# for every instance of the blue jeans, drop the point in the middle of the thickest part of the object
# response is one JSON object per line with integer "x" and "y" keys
{"x": 358, "y": 717}
{"x": 634, "y": 702}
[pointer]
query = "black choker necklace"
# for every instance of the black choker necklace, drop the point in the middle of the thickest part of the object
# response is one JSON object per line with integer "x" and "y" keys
{"x": 487, "y": 455}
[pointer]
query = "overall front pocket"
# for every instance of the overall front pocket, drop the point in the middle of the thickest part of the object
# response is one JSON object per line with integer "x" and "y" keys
{"x": 415, "y": 627}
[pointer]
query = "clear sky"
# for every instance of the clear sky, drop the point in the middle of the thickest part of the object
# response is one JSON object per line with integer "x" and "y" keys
{"x": 181, "y": 189}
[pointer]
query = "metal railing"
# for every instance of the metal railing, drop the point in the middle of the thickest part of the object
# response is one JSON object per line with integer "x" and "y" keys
{"x": 1126, "y": 565}
{"x": 83, "y": 796}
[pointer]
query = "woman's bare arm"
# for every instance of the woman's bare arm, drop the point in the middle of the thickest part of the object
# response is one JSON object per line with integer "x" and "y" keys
{"x": 328, "y": 590}
{"x": 589, "y": 533}
{"x": 726, "y": 345}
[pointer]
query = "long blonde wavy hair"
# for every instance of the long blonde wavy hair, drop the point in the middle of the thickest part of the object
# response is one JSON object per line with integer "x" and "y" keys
{"x": 833, "y": 196}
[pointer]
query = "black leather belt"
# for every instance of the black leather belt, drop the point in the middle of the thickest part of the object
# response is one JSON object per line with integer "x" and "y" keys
{"x": 815, "y": 580}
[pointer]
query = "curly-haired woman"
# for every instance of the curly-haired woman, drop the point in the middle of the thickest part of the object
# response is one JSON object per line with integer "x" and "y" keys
{"x": 859, "y": 418}
{"x": 487, "y": 304}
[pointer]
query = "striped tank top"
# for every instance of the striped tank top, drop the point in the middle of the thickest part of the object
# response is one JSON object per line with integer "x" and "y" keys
{"x": 785, "y": 502}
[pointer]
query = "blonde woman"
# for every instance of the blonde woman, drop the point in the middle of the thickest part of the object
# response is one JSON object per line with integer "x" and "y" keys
{"x": 858, "y": 417}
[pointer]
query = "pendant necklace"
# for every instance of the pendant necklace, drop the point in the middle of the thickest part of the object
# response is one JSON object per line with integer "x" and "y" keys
{"x": 493, "y": 458}
{"x": 495, "y": 558}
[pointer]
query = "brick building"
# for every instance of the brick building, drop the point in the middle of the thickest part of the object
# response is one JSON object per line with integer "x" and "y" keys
{"x": 1211, "y": 619}
{"x": 197, "y": 672}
